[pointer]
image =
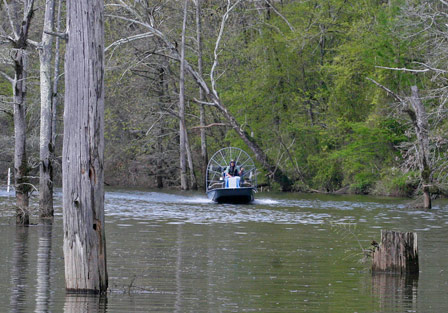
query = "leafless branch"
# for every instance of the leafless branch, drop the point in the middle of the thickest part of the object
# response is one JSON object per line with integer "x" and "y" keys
{"x": 154, "y": 124}
{"x": 7, "y": 77}
{"x": 432, "y": 68}
{"x": 281, "y": 16}
{"x": 33, "y": 43}
{"x": 210, "y": 125}
{"x": 390, "y": 92}
{"x": 218, "y": 40}
{"x": 403, "y": 69}
{"x": 11, "y": 23}
{"x": 204, "y": 102}
{"x": 63, "y": 36}
{"x": 129, "y": 39}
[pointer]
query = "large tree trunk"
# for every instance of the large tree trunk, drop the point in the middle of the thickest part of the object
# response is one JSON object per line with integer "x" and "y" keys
{"x": 21, "y": 169}
{"x": 204, "y": 154}
{"x": 419, "y": 119}
{"x": 83, "y": 150}
{"x": 20, "y": 159}
{"x": 182, "y": 131}
{"x": 46, "y": 116}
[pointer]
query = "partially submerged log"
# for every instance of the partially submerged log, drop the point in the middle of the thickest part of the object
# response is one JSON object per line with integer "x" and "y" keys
{"x": 397, "y": 253}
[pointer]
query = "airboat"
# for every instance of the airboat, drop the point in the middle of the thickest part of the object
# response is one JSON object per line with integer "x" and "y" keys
{"x": 236, "y": 189}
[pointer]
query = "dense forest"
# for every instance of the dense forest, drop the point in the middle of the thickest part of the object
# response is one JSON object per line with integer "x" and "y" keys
{"x": 327, "y": 95}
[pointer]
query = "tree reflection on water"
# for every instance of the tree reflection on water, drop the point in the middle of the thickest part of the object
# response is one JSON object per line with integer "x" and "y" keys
{"x": 396, "y": 291}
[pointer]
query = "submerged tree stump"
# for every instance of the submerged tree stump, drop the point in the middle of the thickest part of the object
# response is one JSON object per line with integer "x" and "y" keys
{"x": 397, "y": 253}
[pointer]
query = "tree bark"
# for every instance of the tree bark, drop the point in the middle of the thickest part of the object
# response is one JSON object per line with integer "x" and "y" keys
{"x": 83, "y": 150}
{"x": 21, "y": 169}
{"x": 46, "y": 117}
{"x": 193, "y": 182}
{"x": 182, "y": 131}
{"x": 419, "y": 119}
{"x": 202, "y": 122}
{"x": 397, "y": 253}
{"x": 55, "y": 96}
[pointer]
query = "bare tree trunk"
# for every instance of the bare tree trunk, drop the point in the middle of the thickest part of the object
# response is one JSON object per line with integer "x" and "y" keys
{"x": 193, "y": 182}
{"x": 204, "y": 154}
{"x": 182, "y": 131}
{"x": 46, "y": 116}
{"x": 55, "y": 97}
{"x": 21, "y": 169}
{"x": 419, "y": 119}
{"x": 83, "y": 151}
{"x": 159, "y": 162}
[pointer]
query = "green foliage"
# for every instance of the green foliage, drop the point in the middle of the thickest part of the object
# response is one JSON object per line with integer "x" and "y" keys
{"x": 5, "y": 88}
{"x": 299, "y": 89}
{"x": 306, "y": 89}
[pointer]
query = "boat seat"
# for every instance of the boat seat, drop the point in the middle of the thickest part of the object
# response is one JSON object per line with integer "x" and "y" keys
{"x": 233, "y": 182}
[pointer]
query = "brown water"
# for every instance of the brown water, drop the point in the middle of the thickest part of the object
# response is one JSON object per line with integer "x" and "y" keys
{"x": 178, "y": 252}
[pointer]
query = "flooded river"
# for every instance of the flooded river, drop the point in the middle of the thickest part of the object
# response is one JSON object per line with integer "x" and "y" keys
{"x": 179, "y": 252}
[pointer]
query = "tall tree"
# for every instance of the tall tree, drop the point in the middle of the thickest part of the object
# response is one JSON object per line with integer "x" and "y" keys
{"x": 83, "y": 150}
{"x": 182, "y": 130}
{"x": 204, "y": 154}
{"x": 46, "y": 116}
{"x": 19, "y": 41}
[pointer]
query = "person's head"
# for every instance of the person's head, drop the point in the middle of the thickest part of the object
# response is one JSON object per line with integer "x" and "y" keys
{"x": 232, "y": 163}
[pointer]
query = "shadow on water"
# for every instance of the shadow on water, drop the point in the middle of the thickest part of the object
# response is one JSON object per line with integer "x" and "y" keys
{"x": 85, "y": 303}
{"x": 20, "y": 267}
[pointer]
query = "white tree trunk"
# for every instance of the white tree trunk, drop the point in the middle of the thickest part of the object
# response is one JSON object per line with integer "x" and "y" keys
{"x": 83, "y": 151}
{"x": 204, "y": 154}
{"x": 46, "y": 116}
{"x": 19, "y": 55}
{"x": 194, "y": 184}
{"x": 420, "y": 120}
{"x": 182, "y": 131}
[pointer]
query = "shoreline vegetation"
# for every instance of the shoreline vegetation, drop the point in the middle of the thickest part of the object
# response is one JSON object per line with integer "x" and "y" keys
{"x": 327, "y": 96}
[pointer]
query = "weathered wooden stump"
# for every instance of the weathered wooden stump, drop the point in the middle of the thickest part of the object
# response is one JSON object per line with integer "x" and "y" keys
{"x": 397, "y": 253}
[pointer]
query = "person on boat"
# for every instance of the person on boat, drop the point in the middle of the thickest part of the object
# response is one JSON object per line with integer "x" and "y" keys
{"x": 231, "y": 170}
{"x": 241, "y": 174}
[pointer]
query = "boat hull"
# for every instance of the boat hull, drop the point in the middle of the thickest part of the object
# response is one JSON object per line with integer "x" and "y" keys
{"x": 232, "y": 195}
